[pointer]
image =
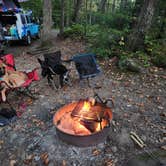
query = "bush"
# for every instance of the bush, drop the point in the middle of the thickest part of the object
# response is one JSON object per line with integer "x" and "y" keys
{"x": 76, "y": 31}
{"x": 105, "y": 42}
{"x": 160, "y": 60}
{"x": 157, "y": 50}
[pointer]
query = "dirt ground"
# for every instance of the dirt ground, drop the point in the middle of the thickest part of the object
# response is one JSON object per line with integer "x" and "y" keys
{"x": 140, "y": 106}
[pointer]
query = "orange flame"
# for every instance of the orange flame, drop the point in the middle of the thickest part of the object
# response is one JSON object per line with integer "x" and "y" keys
{"x": 86, "y": 106}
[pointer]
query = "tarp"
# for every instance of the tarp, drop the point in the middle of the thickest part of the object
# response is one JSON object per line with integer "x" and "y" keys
{"x": 9, "y": 5}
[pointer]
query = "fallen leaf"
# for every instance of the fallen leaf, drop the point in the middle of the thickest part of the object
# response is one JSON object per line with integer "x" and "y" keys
{"x": 1, "y": 142}
{"x": 109, "y": 163}
{"x": 29, "y": 159}
{"x": 44, "y": 158}
{"x": 96, "y": 152}
{"x": 63, "y": 163}
{"x": 163, "y": 147}
{"x": 163, "y": 114}
{"x": 13, "y": 162}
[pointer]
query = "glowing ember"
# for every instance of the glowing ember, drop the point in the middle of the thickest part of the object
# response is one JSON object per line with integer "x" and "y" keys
{"x": 83, "y": 117}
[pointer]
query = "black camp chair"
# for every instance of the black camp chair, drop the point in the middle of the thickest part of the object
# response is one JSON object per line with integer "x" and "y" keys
{"x": 53, "y": 58}
{"x": 52, "y": 66}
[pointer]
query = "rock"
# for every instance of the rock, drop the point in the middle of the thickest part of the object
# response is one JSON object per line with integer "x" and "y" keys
{"x": 130, "y": 65}
{"x": 114, "y": 149}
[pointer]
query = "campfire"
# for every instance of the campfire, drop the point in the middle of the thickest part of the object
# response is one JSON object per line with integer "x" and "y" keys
{"x": 82, "y": 119}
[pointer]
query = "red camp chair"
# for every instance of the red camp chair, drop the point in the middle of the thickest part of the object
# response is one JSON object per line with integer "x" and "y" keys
{"x": 32, "y": 75}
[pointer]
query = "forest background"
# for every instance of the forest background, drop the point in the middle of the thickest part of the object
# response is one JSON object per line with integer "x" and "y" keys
{"x": 126, "y": 29}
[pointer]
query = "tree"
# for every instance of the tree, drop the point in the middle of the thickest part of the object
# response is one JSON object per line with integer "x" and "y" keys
{"x": 102, "y": 6}
{"x": 47, "y": 20}
{"x": 136, "y": 38}
{"x": 62, "y": 17}
{"x": 113, "y": 6}
{"x": 77, "y": 7}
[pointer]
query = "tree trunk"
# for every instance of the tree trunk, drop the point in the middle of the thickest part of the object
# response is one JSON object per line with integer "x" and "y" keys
{"x": 90, "y": 12}
{"x": 102, "y": 6}
{"x": 108, "y": 7}
{"x": 47, "y": 20}
{"x": 113, "y": 6}
{"x": 137, "y": 7}
{"x": 77, "y": 8}
{"x": 162, "y": 32}
{"x": 136, "y": 38}
{"x": 62, "y": 17}
{"x": 68, "y": 5}
{"x": 123, "y": 4}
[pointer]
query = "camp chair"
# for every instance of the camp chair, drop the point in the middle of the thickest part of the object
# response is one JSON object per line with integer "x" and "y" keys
{"x": 9, "y": 61}
{"x": 52, "y": 66}
{"x": 32, "y": 75}
{"x": 53, "y": 58}
{"x": 86, "y": 64}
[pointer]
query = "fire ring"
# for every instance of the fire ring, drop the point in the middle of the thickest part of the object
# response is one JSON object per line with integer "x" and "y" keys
{"x": 83, "y": 123}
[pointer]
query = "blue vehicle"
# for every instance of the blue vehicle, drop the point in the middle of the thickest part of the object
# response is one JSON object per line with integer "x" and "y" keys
{"x": 19, "y": 26}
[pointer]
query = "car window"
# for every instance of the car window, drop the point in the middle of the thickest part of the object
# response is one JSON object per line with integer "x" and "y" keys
{"x": 28, "y": 20}
{"x": 23, "y": 19}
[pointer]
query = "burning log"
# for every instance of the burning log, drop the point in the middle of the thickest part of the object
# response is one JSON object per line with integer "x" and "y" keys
{"x": 84, "y": 119}
{"x": 91, "y": 114}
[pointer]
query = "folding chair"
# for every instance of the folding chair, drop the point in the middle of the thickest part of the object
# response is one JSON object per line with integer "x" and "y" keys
{"x": 52, "y": 66}
{"x": 86, "y": 66}
{"x": 31, "y": 76}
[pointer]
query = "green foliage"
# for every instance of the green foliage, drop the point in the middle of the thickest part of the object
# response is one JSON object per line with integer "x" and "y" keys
{"x": 76, "y": 31}
{"x": 118, "y": 21}
{"x": 106, "y": 33}
{"x": 104, "y": 41}
{"x": 143, "y": 58}
{"x": 156, "y": 48}
{"x": 56, "y": 14}
{"x": 159, "y": 53}
{"x": 160, "y": 60}
{"x": 34, "y": 5}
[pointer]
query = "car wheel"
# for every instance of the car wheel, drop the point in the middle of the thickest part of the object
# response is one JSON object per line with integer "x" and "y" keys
{"x": 38, "y": 35}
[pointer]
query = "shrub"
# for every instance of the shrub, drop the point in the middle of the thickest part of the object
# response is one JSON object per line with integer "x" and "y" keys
{"x": 157, "y": 50}
{"x": 160, "y": 60}
{"x": 76, "y": 31}
{"x": 106, "y": 41}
